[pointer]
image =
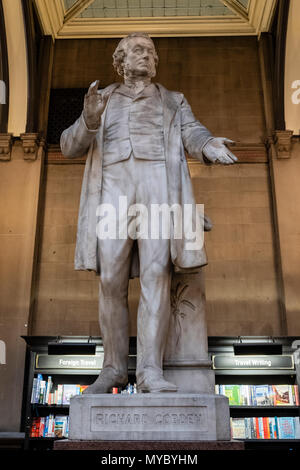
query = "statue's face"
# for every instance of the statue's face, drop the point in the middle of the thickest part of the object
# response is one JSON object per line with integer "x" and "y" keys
{"x": 139, "y": 59}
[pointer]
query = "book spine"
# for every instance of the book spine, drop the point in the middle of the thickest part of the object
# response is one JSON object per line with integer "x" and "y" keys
{"x": 274, "y": 395}
{"x": 261, "y": 427}
{"x": 247, "y": 428}
{"x": 275, "y": 429}
{"x": 297, "y": 427}
{"x": 50, "y": 426}
{"x": 296, "y": 388}
{"x": 252, "y": 395}
{"x": 67, "y": 427}
{"x": 248, "y": 395}
{"x": 33, "y": 392}
{"x": 37, "y": 427}
{"x": 291, "y": 399}
{"x": 42, "y": 427}
{"x": 53, "y": 426}
{"x": 271, "y": 395}
{"x": 48, "y": 389}
{"x": 46, "y": 426}
{"x": 252, "y": 434}
{"x": 59, "y": 394}
{"x": 38, "y": 382}
{"x": 268, "y": 428}
{"x": 33, "y": 427}
{"x": 278, "y": 427}
{"x": 265, "y": 431}
{"x": 41, "y": 396}
{"x": 258, "y": 436}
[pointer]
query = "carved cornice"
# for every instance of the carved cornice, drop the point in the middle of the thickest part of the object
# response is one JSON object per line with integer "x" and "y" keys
{"x": 5, "y": 147}
{"x": 54, "y": 156}
{"x": 30, "y": 144}
{"x": 283, "y": 143}
{"x": 245, "y": 152}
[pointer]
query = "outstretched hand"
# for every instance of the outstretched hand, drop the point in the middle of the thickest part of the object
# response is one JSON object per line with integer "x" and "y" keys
{"x": 94, "y": 105}
{"x": 216, "y": 151}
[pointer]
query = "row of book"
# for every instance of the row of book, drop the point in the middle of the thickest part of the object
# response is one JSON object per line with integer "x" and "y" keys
{"x": 265, "y": 428}
{"x": 129, "y": 389}
{"x": 260, "y": 395}
{"x": 50, "y": 426}
{"x": 43, "y": 392}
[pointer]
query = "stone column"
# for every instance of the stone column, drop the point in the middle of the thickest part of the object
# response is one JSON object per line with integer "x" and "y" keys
{"x": 19, "y": 195}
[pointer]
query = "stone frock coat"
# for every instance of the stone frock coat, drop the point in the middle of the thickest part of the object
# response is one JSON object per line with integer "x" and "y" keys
{"x": 181, "y": 130}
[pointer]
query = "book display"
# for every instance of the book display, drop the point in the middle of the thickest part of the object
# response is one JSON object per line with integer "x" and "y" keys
{"x": 259, "y": 375}
{"x": 57, "y": 369}
{"x": 260, "y": 395}
{"x": 276, "y": 427}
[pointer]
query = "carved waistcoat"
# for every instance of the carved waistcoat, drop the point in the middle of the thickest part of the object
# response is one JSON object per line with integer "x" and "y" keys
{"x": 134, "y": 123}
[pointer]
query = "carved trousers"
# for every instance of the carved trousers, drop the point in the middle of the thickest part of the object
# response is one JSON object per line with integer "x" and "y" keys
{"x": 142, "y": 182}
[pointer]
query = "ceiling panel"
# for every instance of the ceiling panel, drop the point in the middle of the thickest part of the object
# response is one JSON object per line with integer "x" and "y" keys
{"x": 165, "y": 18}
{"x": 154, "y": 8}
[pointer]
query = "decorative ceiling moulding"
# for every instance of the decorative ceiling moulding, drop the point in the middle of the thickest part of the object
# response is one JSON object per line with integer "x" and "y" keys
{"x": 261, "y": 13}
{"x": 64, "y": 23}
{"x": 237, "y": 8}
{"x": 76, "y": 9}
{"x": 159, "y": 27}
{"x": 5, "y": 147}
{"x": 51, "y": 14}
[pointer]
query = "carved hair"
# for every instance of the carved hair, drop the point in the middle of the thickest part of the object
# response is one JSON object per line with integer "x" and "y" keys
{"x": 121, "y": 51}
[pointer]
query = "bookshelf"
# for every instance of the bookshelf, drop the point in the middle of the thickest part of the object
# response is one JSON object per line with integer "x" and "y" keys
{"x": 267, "y": 363}
{"x": 68, "y": 360}
{"x": 78, "y": 360}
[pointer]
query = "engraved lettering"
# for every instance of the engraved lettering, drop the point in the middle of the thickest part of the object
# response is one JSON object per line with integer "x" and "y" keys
{"x": 135, "y": 418}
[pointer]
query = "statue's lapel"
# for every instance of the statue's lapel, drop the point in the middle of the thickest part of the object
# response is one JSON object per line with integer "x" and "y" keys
{"x": 171, "y": 101}
{"x": 109, "y": 89}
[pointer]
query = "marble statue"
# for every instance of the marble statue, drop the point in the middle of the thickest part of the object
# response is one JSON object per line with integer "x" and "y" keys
{"x": 135, "y": 134}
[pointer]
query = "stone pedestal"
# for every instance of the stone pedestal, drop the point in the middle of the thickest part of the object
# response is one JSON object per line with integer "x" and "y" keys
{"x": 149, "y": 417}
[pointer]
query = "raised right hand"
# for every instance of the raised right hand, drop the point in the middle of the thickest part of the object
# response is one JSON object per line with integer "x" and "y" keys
{"x": 94, "y": 105}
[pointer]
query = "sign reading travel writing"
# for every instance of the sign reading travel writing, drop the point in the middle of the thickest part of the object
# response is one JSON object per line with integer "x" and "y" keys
{"x": 253, "y": 362}
{"x": 43, "y": 361}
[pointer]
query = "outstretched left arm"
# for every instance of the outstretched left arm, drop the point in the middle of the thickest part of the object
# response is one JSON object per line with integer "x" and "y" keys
{"x": 200, "y": 143}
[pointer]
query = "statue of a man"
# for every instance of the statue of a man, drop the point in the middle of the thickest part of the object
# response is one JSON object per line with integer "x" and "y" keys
{"x": 134, "y": 134}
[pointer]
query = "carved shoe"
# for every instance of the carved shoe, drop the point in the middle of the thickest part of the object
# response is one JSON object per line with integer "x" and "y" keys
{"x": 155, "y": 384}
{"x": 106, "y": 380}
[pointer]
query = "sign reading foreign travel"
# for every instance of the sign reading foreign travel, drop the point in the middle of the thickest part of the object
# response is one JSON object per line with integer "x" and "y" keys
{"x": 43, "y": 361}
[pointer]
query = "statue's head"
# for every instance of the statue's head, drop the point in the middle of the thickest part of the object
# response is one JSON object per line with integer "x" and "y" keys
{"x": 136, "y": 55}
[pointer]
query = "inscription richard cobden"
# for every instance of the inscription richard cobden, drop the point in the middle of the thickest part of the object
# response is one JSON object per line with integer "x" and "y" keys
{"x": 127, "y": 418}
{"x": 110, "y": 418}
